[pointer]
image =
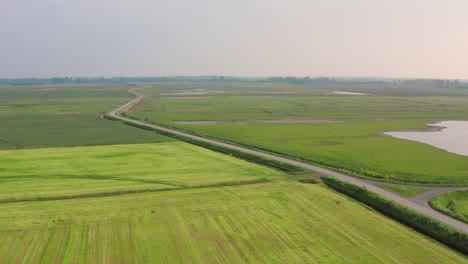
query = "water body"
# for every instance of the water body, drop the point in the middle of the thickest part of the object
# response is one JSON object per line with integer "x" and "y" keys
{"x": 451, "y": 136}
{"x": 348, "y": 93}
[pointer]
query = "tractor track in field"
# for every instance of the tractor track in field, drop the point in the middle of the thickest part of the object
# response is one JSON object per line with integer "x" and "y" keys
{"x": 418, "y": 203}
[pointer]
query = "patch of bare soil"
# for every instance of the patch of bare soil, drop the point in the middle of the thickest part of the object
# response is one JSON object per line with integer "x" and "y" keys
{"x": 68, "y": 113}
{"x": 187, "y": 97}
{"x": 381, "y": 119}
{"x": 267, "y": 121}
{"x": 190, "y": 110}
{"x": 253, "y": 96}
{"x": 44, "y": 89}
{"x": 263, "y": 107}
{"x": 295, "y": 120}
{"x": 211, "y": 122}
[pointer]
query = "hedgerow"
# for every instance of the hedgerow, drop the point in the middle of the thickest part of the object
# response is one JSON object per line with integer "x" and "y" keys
{"x": 423, "y": 223}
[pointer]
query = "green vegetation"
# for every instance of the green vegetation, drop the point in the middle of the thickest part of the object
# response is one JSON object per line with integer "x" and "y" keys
{"x": 101, "y": 169}
{"x": 404, "y": 214}
{"x": 62, "y": 91}
{"x": 354, "y": 146}
{"x": 29, "y": 131}
{"x": 405, "y": 191}
{"x": 169, "y": 201}
{"x": 286, "y": 167}
{"x": 265, "y": 223}
{"x": 454, "y": 204}
{"x": 65, "y": 116}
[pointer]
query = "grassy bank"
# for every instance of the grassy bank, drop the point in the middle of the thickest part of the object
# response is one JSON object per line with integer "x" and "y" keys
{"x": 454, "y": 204}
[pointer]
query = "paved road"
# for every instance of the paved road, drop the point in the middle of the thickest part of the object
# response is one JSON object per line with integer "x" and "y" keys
{"x": 363, "y": 183}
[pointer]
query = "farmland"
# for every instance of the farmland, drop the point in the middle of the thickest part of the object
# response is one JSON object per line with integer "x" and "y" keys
{"x": 278, "y": 222}
{"x": 58, "y": 116}
{"x": 77, "y": 188}
{"x": 337, "y": 131}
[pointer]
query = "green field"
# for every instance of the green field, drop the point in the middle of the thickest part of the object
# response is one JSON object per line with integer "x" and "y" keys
{"x": 353, "y": 145}
{"x": 62, "y": 91}
{"x": 29, "y": 131}
{"x": 404, "y": 191}
{"x": 454, "y": 204}
{"x": 97, "y": 169}
{"x": 98, "y": 191}
{"x": 65, "y": 116}
{"x": 277, "y": 222}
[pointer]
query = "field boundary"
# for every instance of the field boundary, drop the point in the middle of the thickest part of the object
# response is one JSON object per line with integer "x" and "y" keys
{"x": 423, "y": 223}
{"x": 119, "y": 193}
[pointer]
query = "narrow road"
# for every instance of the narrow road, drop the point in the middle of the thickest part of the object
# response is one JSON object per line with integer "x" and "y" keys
{"x": 423, "y": 198}
{"x": 139, "y": 97}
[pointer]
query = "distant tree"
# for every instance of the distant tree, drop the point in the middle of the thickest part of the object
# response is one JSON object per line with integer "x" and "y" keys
{"x": 58, "y": 80}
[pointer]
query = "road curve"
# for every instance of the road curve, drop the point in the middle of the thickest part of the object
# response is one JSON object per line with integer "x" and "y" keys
{"x": 459, "y": 225}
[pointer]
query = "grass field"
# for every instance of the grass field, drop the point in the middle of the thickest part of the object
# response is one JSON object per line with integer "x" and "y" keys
{"x": 74, "y": 171}
{"x": 167, "y": 201}
{"x": 62, "y": 91}
{"x": 404, "y": 191}
{"x": 454, "y": 204}
{"x": 264, "y": 223}
{"x": 31, "y": 131}
{"x": 354, "y": 144}
{"x": 65, "y": 116}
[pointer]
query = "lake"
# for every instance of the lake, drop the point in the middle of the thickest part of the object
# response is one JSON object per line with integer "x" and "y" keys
{"x": 451, "y": 136}
{"x": 348, "y": 93}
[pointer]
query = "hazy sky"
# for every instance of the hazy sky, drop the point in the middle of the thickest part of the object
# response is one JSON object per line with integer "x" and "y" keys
{"x": 395, "y": 38}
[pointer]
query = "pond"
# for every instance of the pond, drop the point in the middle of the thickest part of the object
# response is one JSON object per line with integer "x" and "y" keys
{"x": 349, "y": 93}
{"x": 451, "y": 136}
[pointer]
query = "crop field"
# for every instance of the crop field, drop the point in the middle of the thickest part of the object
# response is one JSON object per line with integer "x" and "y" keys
{"x": 69, "y": 130}
{"x": 61, "y": 91}
{"x": 263, "y": 223}
{"x": 97, "y": 169}
{"x": 454, "y": 204}
{"x": 65, "y": 116}
{"x": 77, "y": 188}
{"x": 312, "y": 124}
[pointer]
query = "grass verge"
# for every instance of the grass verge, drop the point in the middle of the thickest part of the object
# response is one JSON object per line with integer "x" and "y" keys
{"x": 454, "y": 204}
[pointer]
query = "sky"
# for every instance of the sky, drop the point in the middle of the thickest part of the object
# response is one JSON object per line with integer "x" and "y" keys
{"x": 342, "y": 38}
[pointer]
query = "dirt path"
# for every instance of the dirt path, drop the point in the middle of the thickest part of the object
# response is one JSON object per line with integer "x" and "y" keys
{"x": 415, "y": 204}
